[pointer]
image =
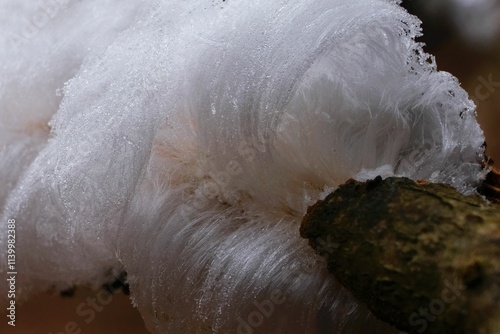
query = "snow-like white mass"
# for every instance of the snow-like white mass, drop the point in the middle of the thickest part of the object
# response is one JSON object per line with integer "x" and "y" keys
{"x": 182, "y": 141}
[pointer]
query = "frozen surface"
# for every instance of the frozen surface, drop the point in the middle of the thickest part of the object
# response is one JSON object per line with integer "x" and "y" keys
{"x": 187, "y": 138}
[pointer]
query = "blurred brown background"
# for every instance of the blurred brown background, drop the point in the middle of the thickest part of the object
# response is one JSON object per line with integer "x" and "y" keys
{"x": 465, "y": 42}
{"x": 52, "y": 314}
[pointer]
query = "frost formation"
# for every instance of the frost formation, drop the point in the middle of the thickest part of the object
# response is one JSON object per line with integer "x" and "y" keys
{"x": 182, "y": 141}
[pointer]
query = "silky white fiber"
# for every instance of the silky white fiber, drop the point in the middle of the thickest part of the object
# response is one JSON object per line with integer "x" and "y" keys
{"x": 182, "y": 141}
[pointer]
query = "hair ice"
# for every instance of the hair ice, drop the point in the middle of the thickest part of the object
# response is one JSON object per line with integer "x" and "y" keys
{"x": 192, "y": 136}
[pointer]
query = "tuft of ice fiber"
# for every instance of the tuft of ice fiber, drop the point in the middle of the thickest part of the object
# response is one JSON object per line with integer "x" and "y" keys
{"x": 190, "y": 137}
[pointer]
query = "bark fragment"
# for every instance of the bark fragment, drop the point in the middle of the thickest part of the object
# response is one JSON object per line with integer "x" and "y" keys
{"x": 423, "y": 257}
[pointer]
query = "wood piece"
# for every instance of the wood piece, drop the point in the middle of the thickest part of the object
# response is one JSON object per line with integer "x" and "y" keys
{"x": 422, "y": 257}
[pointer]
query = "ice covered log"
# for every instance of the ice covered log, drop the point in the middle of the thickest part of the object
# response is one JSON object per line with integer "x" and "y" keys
{"x": 191, "y": 136}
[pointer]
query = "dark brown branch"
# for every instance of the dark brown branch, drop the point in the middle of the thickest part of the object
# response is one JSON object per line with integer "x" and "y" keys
{"x": 422, "y": 257}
